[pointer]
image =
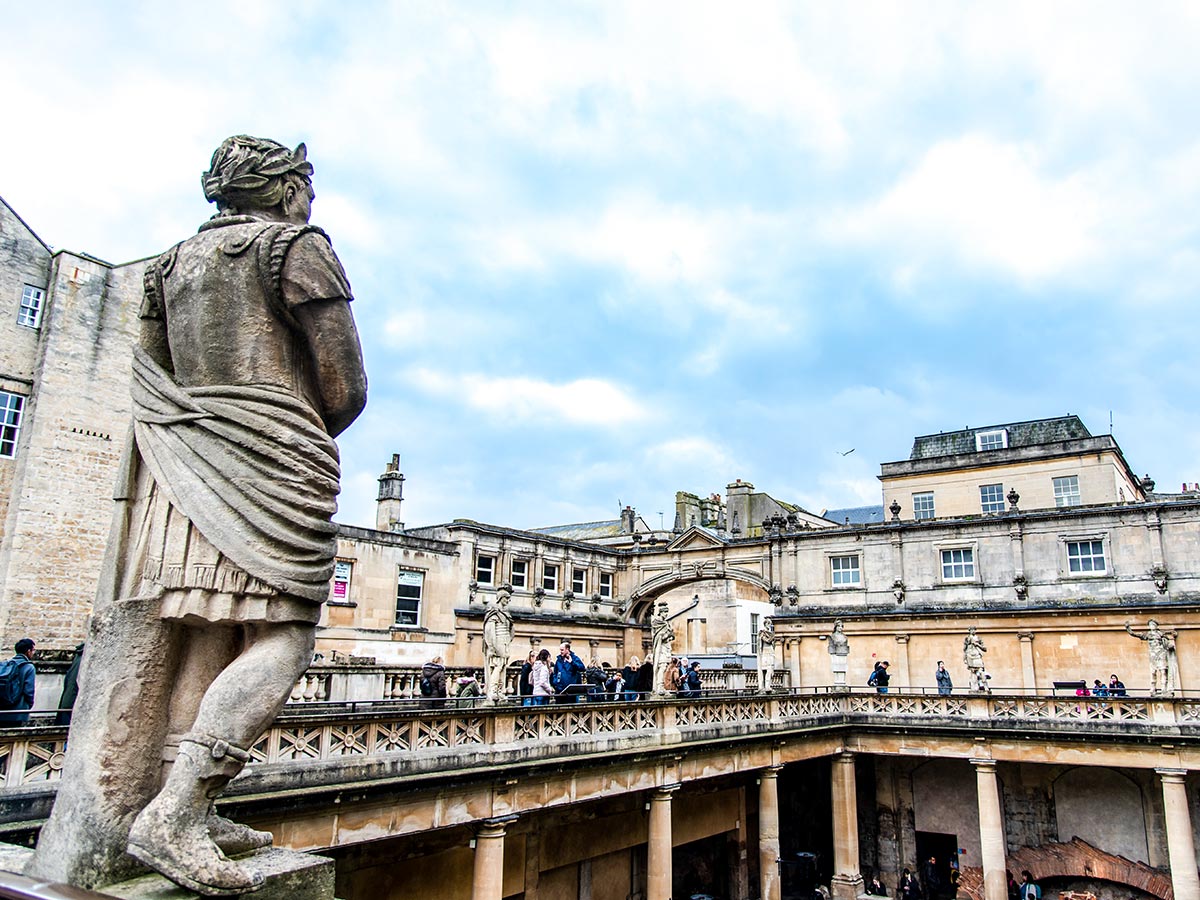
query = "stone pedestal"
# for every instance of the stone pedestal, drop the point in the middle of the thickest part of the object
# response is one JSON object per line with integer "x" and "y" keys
{"x": 289, "y": 876}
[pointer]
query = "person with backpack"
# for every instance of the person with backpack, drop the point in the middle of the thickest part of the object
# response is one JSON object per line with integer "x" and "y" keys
{"x": 1030, "y": 890}
{"x": 879, "y": 677}
{"x": 17, "y": 682}
{"x": 433, "y": 683}
{"x": 691, "y": 681}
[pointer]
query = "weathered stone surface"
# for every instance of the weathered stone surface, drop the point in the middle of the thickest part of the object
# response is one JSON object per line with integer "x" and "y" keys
{"x": 218, "y": 559}
{"x": 287, "y": 876}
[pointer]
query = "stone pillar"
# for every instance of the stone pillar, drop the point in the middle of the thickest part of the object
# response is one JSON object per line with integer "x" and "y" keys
{"x": 991, "y": 830}
{"x": 1181, "y": 851}
{"x": 488, "y": 883}
{"x": 770, "y": 887}
{"x": 794, "y": 662}
{"x": 1028, "y": 675}
{"x": 847, "y": 881}
{"x": 659, "y": 845}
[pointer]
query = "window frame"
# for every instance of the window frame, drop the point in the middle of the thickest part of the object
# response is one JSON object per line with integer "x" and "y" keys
{"x": 835, "y": 571}
{"x": 1059, "y": 497}
{"x": 754, "y": 618}
{"x": 997, "y": 503}
{"x": 342, "y": 599}
{"x": 982, "y": 437}
{"x": 31, "y": 302}
{"x": 550, "y": 577}
{"x": 919, "y": 515}
{"x": 12, "y": 412}
{"x": 419, "y": 600}
{"x": 479, "y": 568}
{"x": 1098, "y": 537}
{"x": 952, "y": 547}
{"x": 578, "y": 581}
{"x": 605, "y": 587}
{"x": 519, "y": 579}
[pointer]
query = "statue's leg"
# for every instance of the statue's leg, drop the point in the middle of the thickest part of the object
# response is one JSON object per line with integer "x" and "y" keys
{"x": 171, "y": 834}
{"x": 206, "y": 653}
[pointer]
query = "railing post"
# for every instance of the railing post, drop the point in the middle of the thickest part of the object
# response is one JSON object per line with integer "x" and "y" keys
{"x": 1165, "y": 711}
{"x": 503, "y": 725}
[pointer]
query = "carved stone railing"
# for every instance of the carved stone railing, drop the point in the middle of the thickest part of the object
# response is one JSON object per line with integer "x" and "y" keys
{"x": 329, "y": 732}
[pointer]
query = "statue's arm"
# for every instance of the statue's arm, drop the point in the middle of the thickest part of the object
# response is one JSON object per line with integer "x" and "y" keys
{"x": 337, "y": 358}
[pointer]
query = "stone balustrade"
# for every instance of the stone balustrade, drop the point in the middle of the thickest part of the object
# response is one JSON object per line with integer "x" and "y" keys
{"x": 317, "y": 732}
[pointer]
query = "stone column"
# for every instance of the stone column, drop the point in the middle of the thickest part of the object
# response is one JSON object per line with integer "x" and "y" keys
{"x": 659, "y": 845}
{"x": 991, "y": 830}
{"x": 770, "y": 887}
{"x": 488, "y": 883}
{"x": 1028, "y": 675}
{"x": 1181, "y": 851}
{"x": 794, "y": 662}
{"x": 847, "y": 881}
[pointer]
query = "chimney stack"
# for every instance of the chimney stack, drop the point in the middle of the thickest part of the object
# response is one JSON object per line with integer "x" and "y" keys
{"x": 391, "y": 495}
{"x": 627, "y": 519}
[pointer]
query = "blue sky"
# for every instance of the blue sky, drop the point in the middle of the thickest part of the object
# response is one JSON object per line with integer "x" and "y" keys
{"x": 604, "y": 252}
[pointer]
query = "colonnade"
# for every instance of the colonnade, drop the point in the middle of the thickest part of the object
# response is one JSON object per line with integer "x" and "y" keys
{"x": 847, "y": 880}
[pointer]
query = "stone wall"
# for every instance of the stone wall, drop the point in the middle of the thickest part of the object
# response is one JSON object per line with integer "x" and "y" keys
{"x": 76, "y": 421}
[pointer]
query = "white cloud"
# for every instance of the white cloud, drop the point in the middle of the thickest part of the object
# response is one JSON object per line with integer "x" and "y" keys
{"x": 987, "y": 203}
{"x": 584, "y": 401}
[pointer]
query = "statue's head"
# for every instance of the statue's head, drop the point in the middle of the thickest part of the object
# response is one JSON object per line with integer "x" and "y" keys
{"x": 837, "y": 625}
{"x": 1152, "y": 624}
{"x": 249, "y": 174}
{"x": 768, "y": 624}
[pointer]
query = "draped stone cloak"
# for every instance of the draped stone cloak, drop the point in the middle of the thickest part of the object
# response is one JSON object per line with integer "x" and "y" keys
{"x": 232, "y": 478}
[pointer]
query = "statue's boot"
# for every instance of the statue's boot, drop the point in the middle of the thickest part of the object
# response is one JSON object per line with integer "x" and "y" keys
{"x": 234, "y": 838}
{"x": 170, "y": 834}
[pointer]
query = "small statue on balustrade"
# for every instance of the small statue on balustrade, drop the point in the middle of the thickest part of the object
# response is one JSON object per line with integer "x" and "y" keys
{"x": 973, "y": 651}
{"x": 1161, "y": 646}
{"x": 839, "y": 652}
{"x": 766, "y": 655}
{"x": 662, "y": 637}
{"x": 497, "y": 639}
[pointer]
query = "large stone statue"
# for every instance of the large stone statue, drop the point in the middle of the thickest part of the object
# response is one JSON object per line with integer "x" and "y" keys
{"x": 1161, "y": 645}
{"x": 497, "y": 638}
{"x": 766, "y": 655}
{"x": 839, "y": 652}
{"x": 222, "y": 544}
{"x": 973, "y": 651}
{"x": 662, "y": 638}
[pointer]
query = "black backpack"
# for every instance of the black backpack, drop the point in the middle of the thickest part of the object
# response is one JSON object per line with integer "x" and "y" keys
{"x": 12, "y": 684}
{"x": 426, "y": 686}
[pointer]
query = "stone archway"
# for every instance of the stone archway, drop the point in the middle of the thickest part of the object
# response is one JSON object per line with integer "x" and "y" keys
{"x": 642, "y": 598}
{"x": 1074, "y": 859}
{"x": 1102, "y": 807}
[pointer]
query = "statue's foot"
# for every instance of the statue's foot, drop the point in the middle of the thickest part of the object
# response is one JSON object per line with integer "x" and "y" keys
{"x": 235, "y": 839}
{"x": 188, "y": 857}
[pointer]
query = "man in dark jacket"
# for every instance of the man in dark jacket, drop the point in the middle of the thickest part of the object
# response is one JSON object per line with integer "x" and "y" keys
{"x": 568, "y": 669}
{"x": 23, "y": 676}
{"x": 882, "y": 677}
{"x": 433, "y": 673}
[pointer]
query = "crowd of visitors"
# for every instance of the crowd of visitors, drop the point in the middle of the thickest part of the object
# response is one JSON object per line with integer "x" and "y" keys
{"x": 1114, "y": 688}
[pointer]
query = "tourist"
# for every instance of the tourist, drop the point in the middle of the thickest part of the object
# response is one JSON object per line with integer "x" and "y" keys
{"x": 909, "y": 888}
{"x": 672, "y": 678}
{"x": 524, "y": 686}
{"x": 875, "y": 887}
{"x": 1029, "y": 888}
{"x": 615, "y": 686}
{"x": 539, "y": 679}
{"x": 944, "y": 684}
{"x": 568, "y": 671}
{"x": 1116, "y": 687}
{"x": 630, "y": 675}
{"x": 691, "y": 681}
{"x": 594, "y": 677}
{"x": 17, "y": 683}
{"x": 70, "y": 690}
{"x": 433, "y": 682}
{"x": 467, "y": 689}
{"x": 932, "y": 879}
{"x": 880, "y": 677}
{"x": 1099, "y": 688}
{"x": 1014, "y": 889}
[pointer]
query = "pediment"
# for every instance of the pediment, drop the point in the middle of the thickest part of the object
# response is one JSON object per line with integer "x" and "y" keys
{"x": 696, "y": 538}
